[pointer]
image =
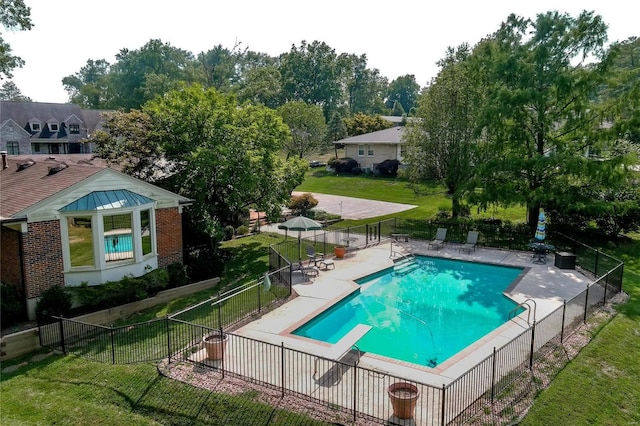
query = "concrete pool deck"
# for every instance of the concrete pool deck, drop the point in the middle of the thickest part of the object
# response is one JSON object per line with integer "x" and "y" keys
{"x": 545, "y": 284}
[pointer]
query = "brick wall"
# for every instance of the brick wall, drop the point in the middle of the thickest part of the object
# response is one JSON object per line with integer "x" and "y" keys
{"x": 169, "y": 236}
{"x": 10, "y": 262}
{"x": 42, "y": 251}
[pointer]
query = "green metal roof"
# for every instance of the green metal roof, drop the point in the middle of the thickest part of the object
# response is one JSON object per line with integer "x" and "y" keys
{"x": 105, "y": 200}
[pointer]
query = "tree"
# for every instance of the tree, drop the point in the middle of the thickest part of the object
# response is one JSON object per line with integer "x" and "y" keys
{"x": 307, "y": 125}
{"x": 440, "y": 140}
{"x": 310, "y": 73}
{"x": 364, "y": 87}
{"x": 261, "y": 86}
{"x": 224, "y": 156}
{"x": 11, "y": 92}
{"x": 14, "y": 14}
{"x": 153, "y": 70}
{"x": 404, "y": 90}
{"x": 540, "y": 116}
{"x": 360, "y": 124}
{"x": 129, "y": 141}
{"x": 90, "y": 87}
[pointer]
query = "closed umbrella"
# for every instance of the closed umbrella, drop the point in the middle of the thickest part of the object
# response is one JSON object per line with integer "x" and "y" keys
{"x": 300, "y": 223}
{"x": 541, "y": 229}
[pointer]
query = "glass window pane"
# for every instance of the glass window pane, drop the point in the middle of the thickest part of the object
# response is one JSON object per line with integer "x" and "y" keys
{"x": 118, "y": 237}
{"x": 145, "y": 224}
{"x": 80, "y": 241}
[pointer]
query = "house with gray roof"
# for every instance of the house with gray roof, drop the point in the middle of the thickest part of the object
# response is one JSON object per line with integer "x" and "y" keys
{"x": 67, "y": 220}
{"x": 371, "y": 149}
{"x": 46, "y": 128}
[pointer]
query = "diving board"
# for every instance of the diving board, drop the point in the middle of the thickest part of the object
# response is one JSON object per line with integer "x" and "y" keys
{"x": 344, "y": 345}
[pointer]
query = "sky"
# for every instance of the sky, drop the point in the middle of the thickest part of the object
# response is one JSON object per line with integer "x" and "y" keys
{"x": 398, "y": 38}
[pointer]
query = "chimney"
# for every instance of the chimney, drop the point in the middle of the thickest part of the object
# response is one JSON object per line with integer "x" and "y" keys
{"x": 4, "y": 159}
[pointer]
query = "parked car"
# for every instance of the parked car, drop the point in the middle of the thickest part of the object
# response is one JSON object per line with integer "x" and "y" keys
{"x": 316, "y": 163}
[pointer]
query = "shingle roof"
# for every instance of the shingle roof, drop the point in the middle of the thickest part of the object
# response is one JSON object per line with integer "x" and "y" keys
{"x": 24, "y": 188}
{"x": 392, "y": 135}
{"x": 23, "y": 112}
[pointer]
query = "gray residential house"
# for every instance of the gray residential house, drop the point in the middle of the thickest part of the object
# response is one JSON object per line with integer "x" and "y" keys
{"x": 46, "y": 128}
{"x": 371, "y": 149}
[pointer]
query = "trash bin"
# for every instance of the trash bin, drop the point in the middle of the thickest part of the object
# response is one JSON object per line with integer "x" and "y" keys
{"x": 565, "y": 260}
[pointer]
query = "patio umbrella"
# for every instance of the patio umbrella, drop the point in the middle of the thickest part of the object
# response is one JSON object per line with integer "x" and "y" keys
{"x": 541, "y": 229}
{"x": 300, "y": 223}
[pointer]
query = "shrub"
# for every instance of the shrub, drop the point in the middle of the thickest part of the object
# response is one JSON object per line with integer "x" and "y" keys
{"x": 229, "y": 232}
{"x": 388, "y": 167}
{"x": 56, "y": 301}
{"x": 177, "y": 274}
{"x": 203, "y": 265}
{"x": 302, "y": 204}
{"x": 243, "y": 230}
{"x": 345, "y": 165}
{"x": 155, "y": 281}
{"x": 12, "y": 305}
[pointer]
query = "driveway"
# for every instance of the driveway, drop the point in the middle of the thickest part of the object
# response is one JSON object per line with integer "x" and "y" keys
{"x": 356, "y": 208}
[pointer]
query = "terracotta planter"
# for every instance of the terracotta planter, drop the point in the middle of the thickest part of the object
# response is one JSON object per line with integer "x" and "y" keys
{"x": 404, "y": 397}
{"x": 215, "y": 345}
{"x": 339, "y": 251}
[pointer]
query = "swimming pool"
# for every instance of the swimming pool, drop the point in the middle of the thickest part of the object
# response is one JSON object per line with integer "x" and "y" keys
{"x": 119, "y": 243}
{"x": 423, "y": 310}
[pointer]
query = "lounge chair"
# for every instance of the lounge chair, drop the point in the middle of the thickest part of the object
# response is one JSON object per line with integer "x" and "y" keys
{"x": 472, "y": 241}
{"x": 313, "y": 256}
{"x": 438, "y": 242}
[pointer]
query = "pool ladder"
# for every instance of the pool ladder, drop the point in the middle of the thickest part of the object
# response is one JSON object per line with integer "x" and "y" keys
{"x": 525, "y": 304}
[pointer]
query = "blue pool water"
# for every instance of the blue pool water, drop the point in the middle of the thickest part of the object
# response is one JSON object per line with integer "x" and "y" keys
{"x": 422, "y": 313}
{"x": 121, "y": 243}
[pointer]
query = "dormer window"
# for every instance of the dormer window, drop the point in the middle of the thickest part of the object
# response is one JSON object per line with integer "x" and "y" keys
{"x": 74, "y": 129}
{"x": 53, "y": 127}
{"x": 35, "y": 127}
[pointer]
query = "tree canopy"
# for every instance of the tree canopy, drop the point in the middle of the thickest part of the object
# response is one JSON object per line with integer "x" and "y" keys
{"x": 14, "y": 15}
{"x": 308, "y": 128}
{"x": 223, "y": 155}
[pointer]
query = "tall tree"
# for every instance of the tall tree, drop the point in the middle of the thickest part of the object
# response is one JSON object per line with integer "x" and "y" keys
{"x": 310, "y": 73}
{"x": 90, "y": 87}
{"x": 440, "y": 140}
{"x": 540, "y": 117}
{"x": 155, "y": 69}
{"x": 360, "y": 124}
{"x": 261, "y": 85}
{"x": 308, "y": 128}
{"x": 225, "y": 156}
{"x": 11, "y": 92}
{"x": 14, "y": 15}
{"x": 364, "y": 88}
{"x": 404, "y": 90}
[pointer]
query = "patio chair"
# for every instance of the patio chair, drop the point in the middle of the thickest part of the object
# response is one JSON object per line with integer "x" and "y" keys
{"x": 472, "y": 241}
{"x": 438, "y": 242}
{"x": 314, "y": 256}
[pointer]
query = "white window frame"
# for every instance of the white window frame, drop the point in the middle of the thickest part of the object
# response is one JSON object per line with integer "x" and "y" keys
{"x": 370, "y": 152}
{"x": 361, "y": 150}
{"x": 35, "y": 127}
{"x": 56, "y": 125}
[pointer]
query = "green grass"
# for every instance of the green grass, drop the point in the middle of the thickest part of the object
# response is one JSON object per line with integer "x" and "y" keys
{"x": 72, "y": 391}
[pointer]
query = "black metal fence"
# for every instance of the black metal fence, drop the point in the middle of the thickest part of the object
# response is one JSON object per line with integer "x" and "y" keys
{"x": 343, "y": 386}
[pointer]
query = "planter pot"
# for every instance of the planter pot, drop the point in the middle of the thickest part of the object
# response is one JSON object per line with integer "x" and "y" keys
{"x": 404, "y": 397}
{"x": 339, "y": 252}
{"x": 215, "y": 345}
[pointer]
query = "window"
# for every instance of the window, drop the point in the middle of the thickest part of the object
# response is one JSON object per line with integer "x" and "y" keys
{"x": 35, "y": 147}
{"x": 118, "y": 237}
{"x": 53, "y": 127}
{"x": 145, "y": 224}
{"x": 370, "y": 150}
{"x": 360, "y": 150}
{"x": 74, "y": 129}
{"x": 13, "y": 148}
{"x": 80, "y": 241}
{"x": 35, "y": 127}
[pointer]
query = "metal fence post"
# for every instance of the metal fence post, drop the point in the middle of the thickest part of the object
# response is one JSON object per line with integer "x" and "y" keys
{"x": 595, "y": 268}
{"x": 442, "y": 406}
{"x": 586, "y": 304}
{"x": 533, "y": 339}
{"x": 113, "y": 347}
{"x": 282, "y": 368}
{"x": 259, "y": 301}
{"x": 355, "y": 390}
{"x": 61, "y": 327}
{"x": 564, "y": 312}
{"x": 166, "y": 319}
{"x": 379, "y": 230}
{"x": 366, "y": 234}
{"x": 493, "y": 376}
{"x": 219, "y": 311}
